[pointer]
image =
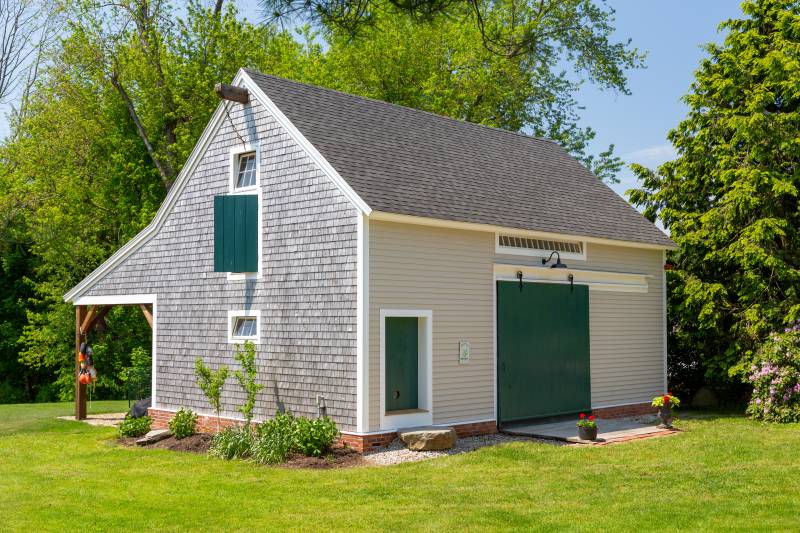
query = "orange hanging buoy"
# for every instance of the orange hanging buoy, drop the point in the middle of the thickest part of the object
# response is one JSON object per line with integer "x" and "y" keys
{"x": 84, "y": 379}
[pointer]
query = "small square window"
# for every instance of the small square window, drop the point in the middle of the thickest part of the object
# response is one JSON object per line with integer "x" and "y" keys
{"x": 243, "y": 326}
{"x": 246, "y": 170}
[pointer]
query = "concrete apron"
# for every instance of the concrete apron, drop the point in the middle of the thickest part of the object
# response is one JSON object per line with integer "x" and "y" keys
{"x": 608, "y": 430}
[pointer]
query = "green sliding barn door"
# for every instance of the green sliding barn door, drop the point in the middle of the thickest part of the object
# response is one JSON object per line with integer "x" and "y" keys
{"x": 542, "y": 350}
{"x": 402, "y": 363}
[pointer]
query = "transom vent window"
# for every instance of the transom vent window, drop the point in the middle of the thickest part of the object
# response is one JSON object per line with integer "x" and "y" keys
{"x": 515, "y": 244}
{"x": 246, "y": 176}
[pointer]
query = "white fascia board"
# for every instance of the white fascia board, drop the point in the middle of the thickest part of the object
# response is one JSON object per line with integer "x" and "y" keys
{"x": 119, "y": 299}
{"x": 300, "y": 139}
{"x": 473, "y": 226}
{"x": 161, "y": 215}
{"x": 595, "y": 279}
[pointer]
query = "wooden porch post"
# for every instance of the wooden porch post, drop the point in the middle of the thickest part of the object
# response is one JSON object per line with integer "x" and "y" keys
{"x": 80, "y": 390}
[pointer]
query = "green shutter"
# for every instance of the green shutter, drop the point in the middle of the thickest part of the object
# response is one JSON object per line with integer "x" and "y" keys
{"x": 236, "y": 233}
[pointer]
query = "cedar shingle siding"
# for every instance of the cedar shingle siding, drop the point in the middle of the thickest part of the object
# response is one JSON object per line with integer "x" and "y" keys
{"x": 307, "y": 293}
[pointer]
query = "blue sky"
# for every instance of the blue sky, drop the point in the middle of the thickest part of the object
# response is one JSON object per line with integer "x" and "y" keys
{"x": 673, "y": 32}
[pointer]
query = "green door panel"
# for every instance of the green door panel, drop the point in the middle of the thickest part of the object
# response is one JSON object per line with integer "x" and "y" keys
{"x": 402, "y": 363}
{"x": 236, "y": 233}
{"x": 542, "y": 350}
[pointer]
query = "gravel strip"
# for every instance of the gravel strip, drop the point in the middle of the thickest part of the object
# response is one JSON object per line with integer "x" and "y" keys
{"x": 397, "y": 452}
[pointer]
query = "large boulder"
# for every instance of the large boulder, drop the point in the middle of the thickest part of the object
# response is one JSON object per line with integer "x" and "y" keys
{"x": 705, "y": 398}
{"x": 428, "y": 438}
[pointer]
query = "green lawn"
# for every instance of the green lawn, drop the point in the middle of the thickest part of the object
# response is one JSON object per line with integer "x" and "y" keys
{"x": 722, "y": 473}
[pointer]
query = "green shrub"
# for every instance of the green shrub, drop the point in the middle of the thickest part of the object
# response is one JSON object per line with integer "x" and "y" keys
{"x": 183, "y": 424}
{"x": 274, "y": 439}
{"x": 135, "y": 427}
{"x": 774, "y": 373}
{"x": 314, "y": 436}
{"x": 234, "y": 442}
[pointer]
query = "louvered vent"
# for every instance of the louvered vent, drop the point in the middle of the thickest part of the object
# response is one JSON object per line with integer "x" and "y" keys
{"x": 540, "y": 245}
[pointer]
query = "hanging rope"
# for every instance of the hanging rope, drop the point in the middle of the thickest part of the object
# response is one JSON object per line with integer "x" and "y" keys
{"x": 233, "y": 126}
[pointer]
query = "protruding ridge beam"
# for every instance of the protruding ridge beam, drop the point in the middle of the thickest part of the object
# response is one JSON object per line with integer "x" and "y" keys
{"x": 232, "y": 92}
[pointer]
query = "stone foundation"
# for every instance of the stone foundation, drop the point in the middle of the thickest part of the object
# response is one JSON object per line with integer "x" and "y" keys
{"x": 205, "y": 424}
{"x": 376, "y": 441}
{"x": 360, "y": 443}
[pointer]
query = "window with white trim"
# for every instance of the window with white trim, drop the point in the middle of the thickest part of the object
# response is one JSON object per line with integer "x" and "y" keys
{"x": 534, "y": 246}
{"x": 244, "y": 326}
{"x": 245, "y": 170}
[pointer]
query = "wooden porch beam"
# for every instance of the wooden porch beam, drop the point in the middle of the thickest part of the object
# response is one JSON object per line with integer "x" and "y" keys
{"x": 148, "y": 314}
{"x": 80, "y": 390}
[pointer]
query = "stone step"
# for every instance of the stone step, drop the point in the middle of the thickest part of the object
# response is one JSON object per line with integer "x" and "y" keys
{"x": 154, "y": 435}
{"x": 428, "y": 438}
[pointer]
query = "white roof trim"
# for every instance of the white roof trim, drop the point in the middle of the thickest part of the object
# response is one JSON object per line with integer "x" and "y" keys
{"x": 161, "y": 215}
{"x": 241, "y": 79}
{"x": 300, "y": 139}
{"x": 473, "y": 226}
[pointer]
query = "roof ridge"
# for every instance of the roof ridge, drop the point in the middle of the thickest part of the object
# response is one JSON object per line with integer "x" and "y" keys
{"x": 404, "y": 107}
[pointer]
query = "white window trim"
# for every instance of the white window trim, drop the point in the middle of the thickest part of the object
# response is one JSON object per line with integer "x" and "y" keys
{"x": 235, "y": 152}
{"x": 544, "y": 254}
{"x": 424, "y": 416}
{"x": 233, "y": 315}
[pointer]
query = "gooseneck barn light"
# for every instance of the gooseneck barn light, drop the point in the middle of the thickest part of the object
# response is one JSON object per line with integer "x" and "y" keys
{"x": 558, "y": 263}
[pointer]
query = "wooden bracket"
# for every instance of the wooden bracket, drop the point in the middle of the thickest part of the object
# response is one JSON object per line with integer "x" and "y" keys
{"x": 148, "y": 314}
{"x": 94, "y": 315}
{"x": 232, "y": 92}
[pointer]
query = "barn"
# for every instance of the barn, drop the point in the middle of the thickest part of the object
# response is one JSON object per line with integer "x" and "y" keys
{"x": 394, "y": 268}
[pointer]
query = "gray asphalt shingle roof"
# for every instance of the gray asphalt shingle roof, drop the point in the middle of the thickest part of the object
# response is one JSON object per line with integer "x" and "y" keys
{"x": 405, "y": 161}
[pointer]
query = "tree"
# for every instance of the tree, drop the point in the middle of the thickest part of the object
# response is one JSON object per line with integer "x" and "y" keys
{"x": 127, "y": 90}
{"x": 246, "y": 376}
{"x": 441, "y": 65}
{"x": 523, "y": 27}
{"x": 26, "y": 27}
{"x": 730, "y": 199}
{"x": 77, "y": 181}
{"x": 211, "y": 382}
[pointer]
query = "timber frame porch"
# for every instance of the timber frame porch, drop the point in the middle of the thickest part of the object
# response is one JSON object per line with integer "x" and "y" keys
{"x": 90, "y": 313}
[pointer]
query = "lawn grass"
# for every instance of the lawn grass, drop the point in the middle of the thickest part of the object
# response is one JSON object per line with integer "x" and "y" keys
{"x": 44, "y": 416}
{"x": 721, "y": 473}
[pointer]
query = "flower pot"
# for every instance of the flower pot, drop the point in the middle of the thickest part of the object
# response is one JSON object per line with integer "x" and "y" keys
{"x": 665, "y": 413}
{"x": 587, "y": 433}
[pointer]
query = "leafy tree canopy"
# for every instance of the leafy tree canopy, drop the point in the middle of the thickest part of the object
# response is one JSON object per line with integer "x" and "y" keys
{"x": 127, "y": 91}
{"x": 730, "y": 199}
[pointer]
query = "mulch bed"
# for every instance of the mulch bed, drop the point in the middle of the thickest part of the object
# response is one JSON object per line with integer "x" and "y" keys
{"x": 197, "y": 443}
{"x": 339, "y": 457}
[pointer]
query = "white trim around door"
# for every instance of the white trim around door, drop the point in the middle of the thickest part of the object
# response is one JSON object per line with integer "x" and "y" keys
{"x": 423, "y": 416}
